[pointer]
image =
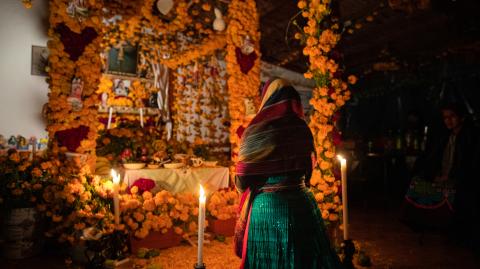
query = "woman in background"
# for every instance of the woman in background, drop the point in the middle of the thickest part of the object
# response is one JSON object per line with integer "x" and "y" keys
{"x": 280, "y": 224}
{"x": 446, "y": 178}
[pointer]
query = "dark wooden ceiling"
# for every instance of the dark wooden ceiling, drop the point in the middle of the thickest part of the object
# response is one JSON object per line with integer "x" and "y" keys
{"x": 402, "y": 36}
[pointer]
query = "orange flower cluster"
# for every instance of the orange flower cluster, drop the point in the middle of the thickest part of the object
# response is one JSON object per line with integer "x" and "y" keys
{"x": 329, "y": 95}
{"x": 243, "y": 22}
{"x": 75, "y": 200}
{"x": 223, "y": 204}
{"x": 181, "y": 21}
{"x": 158, "y": 212}
{"x": 23, "y": 180}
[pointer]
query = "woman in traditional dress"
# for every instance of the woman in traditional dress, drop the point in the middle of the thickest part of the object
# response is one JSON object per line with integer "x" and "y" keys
{"x": 280, "y": 224}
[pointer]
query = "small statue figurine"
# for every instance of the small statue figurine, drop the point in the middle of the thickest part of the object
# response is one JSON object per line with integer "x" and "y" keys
{"x": 12, "y": 142}
{"x": 247, "y": 46}
{"x": 42, "y": 143}
{"x": 22, "y": 142}
{"x": 218, "y": 23}
{"x": 75, "y": 98}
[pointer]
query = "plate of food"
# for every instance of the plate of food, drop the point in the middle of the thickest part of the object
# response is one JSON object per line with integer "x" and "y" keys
{"x": 173, "y": 165}
{"x": 133, "y": 166}
{"x": 153, "y": 165}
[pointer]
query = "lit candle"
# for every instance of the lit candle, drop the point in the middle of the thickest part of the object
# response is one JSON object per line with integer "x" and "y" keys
{"x": 116, "y": 207}
{"x": 201, "y": 225}
{"x": 343, "y": 164}
{"x": 141, "y": 117}
{"x": 110, "y": 112}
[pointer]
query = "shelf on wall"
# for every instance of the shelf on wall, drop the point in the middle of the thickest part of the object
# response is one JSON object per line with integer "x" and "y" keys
{"x": 147, "y": 111}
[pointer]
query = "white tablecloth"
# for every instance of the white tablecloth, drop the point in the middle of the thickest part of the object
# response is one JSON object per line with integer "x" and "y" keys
{"x": 183, "y": 179}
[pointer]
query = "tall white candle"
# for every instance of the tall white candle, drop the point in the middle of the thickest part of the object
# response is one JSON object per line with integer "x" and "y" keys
{"x": 343, "y": 166}
{"x": 116, "y": 207}
{"x": 141, "y": 117}
{"x": 201, "y": 225}
{"x": 110, "y": 112}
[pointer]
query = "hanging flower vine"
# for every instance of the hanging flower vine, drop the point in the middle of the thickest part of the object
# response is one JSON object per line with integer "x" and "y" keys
{"x": 320, "y": 36}
{"x": 244, "y": 81}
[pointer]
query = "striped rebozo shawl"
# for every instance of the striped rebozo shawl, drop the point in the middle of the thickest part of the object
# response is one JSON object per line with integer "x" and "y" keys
{"x": 277, "y": 139}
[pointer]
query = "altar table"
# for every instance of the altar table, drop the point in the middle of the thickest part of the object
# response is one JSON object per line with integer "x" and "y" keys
{"x": 182, "y": 179}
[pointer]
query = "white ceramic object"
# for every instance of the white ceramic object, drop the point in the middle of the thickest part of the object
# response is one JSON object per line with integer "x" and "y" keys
{"x": 164, "y": 6}
{"x": 218, "y": 23}
{"x": 173, "y": 165}
{"x": 197, "y": 162}
{"x": 133, "y": 166}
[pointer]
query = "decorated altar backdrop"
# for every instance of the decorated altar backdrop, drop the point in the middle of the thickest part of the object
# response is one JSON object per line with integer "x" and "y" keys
{"x": 200, "y": 101}
{"x": 121, "y": 74}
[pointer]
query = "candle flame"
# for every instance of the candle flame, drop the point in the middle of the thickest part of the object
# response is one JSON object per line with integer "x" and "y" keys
{"x": 202, "y": 191}
{"x": 341, "y": 159}
{"x": 115, "y": 176}
{"x": 202, "y": 197}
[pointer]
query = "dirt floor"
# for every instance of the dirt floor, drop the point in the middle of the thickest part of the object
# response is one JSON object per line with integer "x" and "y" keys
{"x": 378, "y": 231}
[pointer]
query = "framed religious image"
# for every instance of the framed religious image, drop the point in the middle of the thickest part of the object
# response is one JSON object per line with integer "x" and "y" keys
{"x": 122, "y": 60}
{"x": 121, "y": 87}
{"x": 39, "y": 61}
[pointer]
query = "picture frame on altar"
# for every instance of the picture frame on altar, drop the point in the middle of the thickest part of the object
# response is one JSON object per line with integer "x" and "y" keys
{"x": 39, "y": 61}
{"x": 121, "y": 87}
{"x": 122, "y": 60}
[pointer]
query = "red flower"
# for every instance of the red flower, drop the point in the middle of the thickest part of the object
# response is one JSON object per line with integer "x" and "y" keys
{"x": 143, "y": 184}
{"x": 126, "y": 153}
{"x": 246, "y": 62}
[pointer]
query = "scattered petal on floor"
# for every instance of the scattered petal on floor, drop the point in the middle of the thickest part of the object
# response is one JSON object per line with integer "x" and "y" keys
{"x": 217, "y": 255}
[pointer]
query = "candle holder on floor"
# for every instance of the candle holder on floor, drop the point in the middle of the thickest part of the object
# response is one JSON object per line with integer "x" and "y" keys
{"x": 199, "y": 266}
{"x": 348, "y": 251}
{"x": 109, "y": 247}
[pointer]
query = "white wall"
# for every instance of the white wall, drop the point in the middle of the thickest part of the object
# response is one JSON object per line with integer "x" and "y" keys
{"x": 21, "y": 94}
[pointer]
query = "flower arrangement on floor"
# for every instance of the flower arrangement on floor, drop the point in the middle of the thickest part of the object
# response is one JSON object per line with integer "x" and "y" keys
{"x": 223, "y": 204}
{"x": 22, "y": 180}
{"x": 320, "y": 36}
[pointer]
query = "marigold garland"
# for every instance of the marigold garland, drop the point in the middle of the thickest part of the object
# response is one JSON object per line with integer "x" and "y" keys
{"x": 243, "y": 22}
{"x": 62, "y": 70}
{"x": 329, "y": 95}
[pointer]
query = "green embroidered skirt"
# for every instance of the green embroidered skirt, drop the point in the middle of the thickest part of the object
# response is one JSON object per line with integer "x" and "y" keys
{"x": 286, "y": 231}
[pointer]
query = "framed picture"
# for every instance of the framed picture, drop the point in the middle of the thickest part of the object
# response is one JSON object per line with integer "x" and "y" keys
{"x": 122, "y": 60}
{"x": 39, "y": 61}
{"x": 121, "y": 87}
